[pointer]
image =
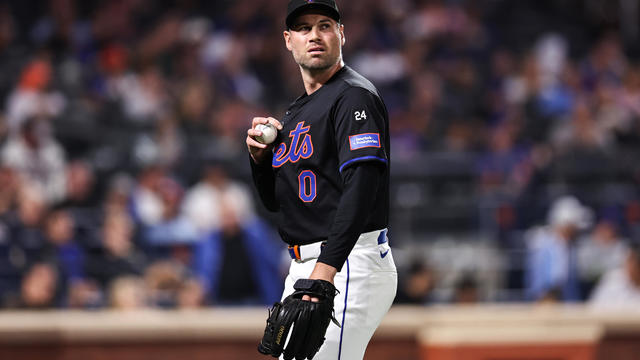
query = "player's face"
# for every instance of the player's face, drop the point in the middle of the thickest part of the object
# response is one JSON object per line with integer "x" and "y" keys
{"x": 315, "y": 41}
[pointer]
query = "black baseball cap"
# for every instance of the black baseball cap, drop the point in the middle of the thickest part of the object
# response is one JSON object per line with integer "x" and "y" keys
{"x": 295, "y": 7}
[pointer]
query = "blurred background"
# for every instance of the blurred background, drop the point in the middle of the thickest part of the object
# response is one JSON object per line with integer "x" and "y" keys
{"x": 124, "y": 177}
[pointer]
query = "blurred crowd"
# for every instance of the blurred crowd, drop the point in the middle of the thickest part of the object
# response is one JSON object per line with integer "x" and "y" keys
{"x": 124, "y": 174}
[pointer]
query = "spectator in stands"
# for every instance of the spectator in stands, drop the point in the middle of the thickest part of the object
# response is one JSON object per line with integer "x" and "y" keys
{"x": 118, "y": 255}
{"x": 25, "y": 226}
{"x": 191, "y": 294}
{"x": 630, "y": 103}
{"x": 80, "y": 185}
{"x": 9, "y": 268}
{"x": 223, "y": 130}
{"x": 193, "y": 103}
{"x": 416, "y": 285}
{"x": 62, "y": 246}
{"x": 466, "y": 290}
{"x": 10, "y": 61}
{"x": 163, "y": 279}
{"x": 10, "y": 274}
{"x": 579, "y": 138}
{"x": 203, "y": 203}
{"x": 118, "y": 194}
{"x": 127, "y": 293}
{"x": 620, "y": 287}
{"x": 40, "y": 287}
{"x": 145, "y": 203}
{"x": 234, "y": 238}
{"x": 63, "y": 249}
{"x": 163, "y": 146}
{"x": 83, "y": 201}
{"x": 142, "y": 95}
{"x": 174, "y": 236}
{"x": 33, "y": 97}
{"x": 8, "y": 189}
{"x": 36, "y": 156}
{"x": 551, "y": 265}
{"x": 173, "y": 227}
{"x": 504, "y": 170}
{"x": 421, "y": 125}
{"x": 616, "y": 109}
{"x": 602, "y": 250}
{"x": 240, "y": 263}
{"x": 170, "y": 285}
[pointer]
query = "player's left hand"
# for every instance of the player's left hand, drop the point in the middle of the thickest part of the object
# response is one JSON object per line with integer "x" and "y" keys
{"x": 308, "y": 321}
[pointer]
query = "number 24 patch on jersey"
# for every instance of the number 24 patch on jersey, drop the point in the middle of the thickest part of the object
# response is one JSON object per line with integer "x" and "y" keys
{"x": 364, "y": 140}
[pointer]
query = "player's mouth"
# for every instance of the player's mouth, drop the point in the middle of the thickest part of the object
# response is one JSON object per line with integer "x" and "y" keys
{"x": 316, "y": 50}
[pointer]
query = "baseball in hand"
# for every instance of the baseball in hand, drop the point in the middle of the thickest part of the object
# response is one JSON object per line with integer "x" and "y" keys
{"x": 269, "y": 133}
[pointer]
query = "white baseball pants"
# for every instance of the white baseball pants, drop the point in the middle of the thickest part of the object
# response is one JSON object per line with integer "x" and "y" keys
{"x": 367, "y": 285}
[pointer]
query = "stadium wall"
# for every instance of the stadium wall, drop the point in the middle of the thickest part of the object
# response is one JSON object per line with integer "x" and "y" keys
{"x": 496, "y": 332}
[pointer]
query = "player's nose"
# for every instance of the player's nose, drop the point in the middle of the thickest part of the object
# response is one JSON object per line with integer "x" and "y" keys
{"x": 314, "y": 34}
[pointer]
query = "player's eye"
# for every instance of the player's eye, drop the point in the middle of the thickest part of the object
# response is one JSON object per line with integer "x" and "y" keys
{"x": 324, "y": 26}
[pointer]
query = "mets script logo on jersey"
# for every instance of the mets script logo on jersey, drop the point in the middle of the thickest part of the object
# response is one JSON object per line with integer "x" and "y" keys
{"x": 364, "y": 140}
{"x": 301, "y": 146}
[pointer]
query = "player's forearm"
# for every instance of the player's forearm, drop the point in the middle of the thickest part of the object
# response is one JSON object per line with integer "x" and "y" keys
{"x": 358, "y": 197}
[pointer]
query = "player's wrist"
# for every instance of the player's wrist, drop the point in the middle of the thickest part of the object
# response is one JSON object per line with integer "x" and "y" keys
{"x": 323, "y": 271}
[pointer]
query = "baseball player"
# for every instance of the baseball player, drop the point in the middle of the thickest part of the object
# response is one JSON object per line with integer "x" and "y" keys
{"x": 327, "y": 177}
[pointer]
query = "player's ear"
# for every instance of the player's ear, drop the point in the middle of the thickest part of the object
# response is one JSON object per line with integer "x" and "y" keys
{"x": 287, "y": 39}
{"x": 342, "y": 38}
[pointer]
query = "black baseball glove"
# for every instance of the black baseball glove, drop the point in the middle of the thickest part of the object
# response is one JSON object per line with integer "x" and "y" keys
{"x": 308, "y": 321}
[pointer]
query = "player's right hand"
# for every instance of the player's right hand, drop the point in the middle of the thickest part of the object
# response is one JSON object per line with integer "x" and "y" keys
{"x": 259, "y": 151}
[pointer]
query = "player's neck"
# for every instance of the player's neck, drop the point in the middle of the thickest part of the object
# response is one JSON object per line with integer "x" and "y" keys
{"x": 313, "y": 80}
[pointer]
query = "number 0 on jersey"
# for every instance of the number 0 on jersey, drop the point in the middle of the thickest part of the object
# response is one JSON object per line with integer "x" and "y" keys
{"x": 307, "y": 186}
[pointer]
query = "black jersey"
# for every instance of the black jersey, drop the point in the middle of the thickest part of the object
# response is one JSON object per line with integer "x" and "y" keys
{"x": 341, "y": 125}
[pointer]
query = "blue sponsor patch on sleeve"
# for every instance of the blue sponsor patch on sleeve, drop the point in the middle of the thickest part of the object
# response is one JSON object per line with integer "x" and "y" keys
{"x": 364, "y": 140}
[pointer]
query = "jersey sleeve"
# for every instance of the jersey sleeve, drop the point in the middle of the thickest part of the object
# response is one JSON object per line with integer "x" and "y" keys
{"x": 265, "y": 182}
{"x": 360, "y": 128}
{"x": 360, "y": 181}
